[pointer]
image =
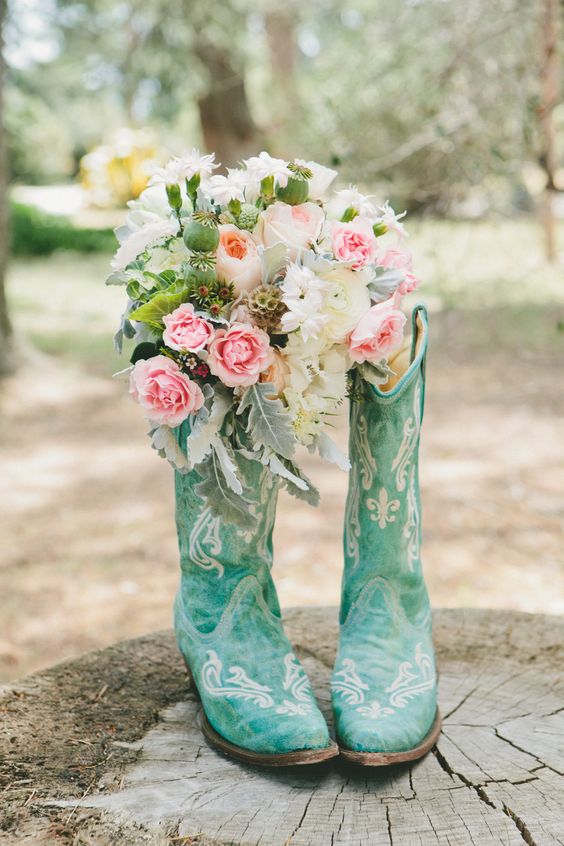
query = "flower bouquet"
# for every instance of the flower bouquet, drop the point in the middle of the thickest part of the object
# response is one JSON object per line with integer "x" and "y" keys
{"x": 252, "y": 295}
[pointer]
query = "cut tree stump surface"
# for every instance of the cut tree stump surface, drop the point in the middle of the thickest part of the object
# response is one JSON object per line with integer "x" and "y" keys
{"x": 106, "y": 750}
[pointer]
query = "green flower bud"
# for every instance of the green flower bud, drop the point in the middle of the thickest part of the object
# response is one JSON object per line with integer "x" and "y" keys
{"x": 174, "y": 197}
{"x": 295, "y": 192}
{"x": 379, "y": 229}
{"x": 349, "y": 214}
{"x": 201, "y": 233}
{"x": 248, "y": 217}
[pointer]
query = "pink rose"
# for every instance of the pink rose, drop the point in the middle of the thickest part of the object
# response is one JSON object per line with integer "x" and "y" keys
{"x": 354, "y": 241}
{"x": 377, "y": 333}
{"x": 166, "y": 394}
{"x": 400, "y": 260}
{"x": 237, "y": 258}
{"x": 295, "y": 226}
{"x": 239, "y": 354}
{"x": 185, "y": 331}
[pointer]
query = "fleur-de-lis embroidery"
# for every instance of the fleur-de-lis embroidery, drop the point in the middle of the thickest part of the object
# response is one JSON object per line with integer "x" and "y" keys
{"x": 375, "y": 710}
{"x": 237, "y": 685}
{"x": 408, "y": 445}
{"x": 384, "y": 508}
{"x": 205, "y": 542}
{"x": 348, "y": 683}
{"x": 294, "y": 709}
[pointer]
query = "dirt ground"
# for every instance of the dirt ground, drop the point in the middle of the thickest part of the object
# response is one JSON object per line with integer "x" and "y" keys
{"x": 88, "y": 548}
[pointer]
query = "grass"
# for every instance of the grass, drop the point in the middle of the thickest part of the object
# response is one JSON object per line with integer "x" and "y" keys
{"x": 61, "y": 304}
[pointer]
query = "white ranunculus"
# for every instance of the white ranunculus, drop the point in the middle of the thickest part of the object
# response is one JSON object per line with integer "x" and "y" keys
{"x": 321, "y": 179}
{"x": 345, "y": 303}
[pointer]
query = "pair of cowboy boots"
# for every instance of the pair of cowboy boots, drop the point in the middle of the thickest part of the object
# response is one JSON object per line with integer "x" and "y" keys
{"x": 257, "y": 700}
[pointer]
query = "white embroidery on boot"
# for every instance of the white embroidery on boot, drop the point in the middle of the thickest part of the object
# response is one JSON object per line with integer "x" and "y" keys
{"x": 350, "y": 685}
{"x": 411, "y": 528}
{"x": 352, "y": 518}
{"x": 294, "y": 709}
{"x": 295, "y": 679}
{"x": 411, "y": 429}
{"x": 238, "y": 685}
{"x": 364, "y": 450}
{"x": 411, "y": 682}
{"x": 375, "y": 710}
{"x": 384, "y": 508}
{"x": 206, "y": 543}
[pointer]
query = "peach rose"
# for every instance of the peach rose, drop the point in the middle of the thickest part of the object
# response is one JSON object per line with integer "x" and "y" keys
{"x": 377, "y": 333}
{"x": 354, "y": 241}
{"x": 277, "y": 373}
{"x": 295, "y": 226}
{"x": 185, "y": 331}
{"x": 238, "y": 355}
{"x": 237, "y": 258}
{"x": 401, "y": 260}
{"x": 165, "y": 393}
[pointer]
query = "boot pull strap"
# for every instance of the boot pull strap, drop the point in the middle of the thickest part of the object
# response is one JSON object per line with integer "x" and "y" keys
{"x": 420, "y": 334}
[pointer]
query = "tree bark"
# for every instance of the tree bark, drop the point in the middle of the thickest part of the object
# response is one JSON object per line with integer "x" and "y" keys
{"x": 6, "y": 335}
{"x": 280, "y": 35}
{"x": 549, "y": 80}
{"x": 227, "y": 123}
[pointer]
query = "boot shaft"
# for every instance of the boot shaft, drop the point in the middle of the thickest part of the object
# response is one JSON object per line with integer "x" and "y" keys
{"x": 214, "y": 555}
{"x": 383, "y": 512}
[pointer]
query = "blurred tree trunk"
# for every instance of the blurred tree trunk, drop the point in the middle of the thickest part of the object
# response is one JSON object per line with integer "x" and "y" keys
{"x": 549, "y": 79}
{"x": 280, "y": 34}
{"x": 227, "y": 123}
{"x": 6, "y": 352}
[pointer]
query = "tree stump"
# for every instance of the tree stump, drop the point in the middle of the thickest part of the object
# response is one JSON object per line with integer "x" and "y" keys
{"x": 106, "y": 750}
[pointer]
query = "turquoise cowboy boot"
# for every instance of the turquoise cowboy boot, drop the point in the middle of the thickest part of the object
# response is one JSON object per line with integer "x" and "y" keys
{"x": 384, "y": 682}
{"x": 257, "y": 701}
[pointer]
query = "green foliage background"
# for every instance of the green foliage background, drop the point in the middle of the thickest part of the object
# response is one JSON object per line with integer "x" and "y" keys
{"x": 431, "y": 99}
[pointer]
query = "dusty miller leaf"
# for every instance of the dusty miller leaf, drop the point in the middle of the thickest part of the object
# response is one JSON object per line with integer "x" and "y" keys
{"x": 375, "y": 374}
{"x": 273, "y": 262}
{"x": 329, "y": 451}
{"x": 218, "y": 496}
{"x": 384, "y": 283}
{"x": 269, "y": 423}
{"x": 164, "y": 440}
{"x": 226, "y": 459}
{"x": 206, "y": 425}
{"x": 296, "y": 483}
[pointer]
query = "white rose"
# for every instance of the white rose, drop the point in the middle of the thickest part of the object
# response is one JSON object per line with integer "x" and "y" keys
{"x": 295, "y": 226}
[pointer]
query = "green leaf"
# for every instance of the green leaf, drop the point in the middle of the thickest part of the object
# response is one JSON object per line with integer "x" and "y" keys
{"x": 144, "y": 351}
{"x": 159, "y": 305}
{"x": 223, "y": 502}
{"x": 269, "y": 423}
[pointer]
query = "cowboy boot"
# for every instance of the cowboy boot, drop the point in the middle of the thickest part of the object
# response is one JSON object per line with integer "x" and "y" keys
{"x": 384, "y": 682}
{"x": 256, "y": 698}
